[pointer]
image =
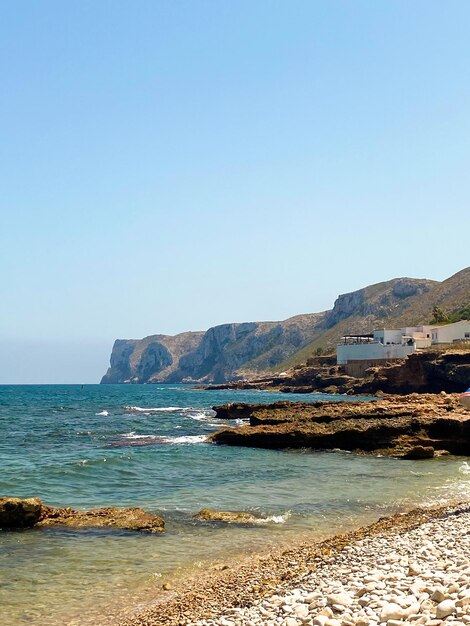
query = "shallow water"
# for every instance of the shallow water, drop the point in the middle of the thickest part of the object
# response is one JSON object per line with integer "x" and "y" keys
{"x": 75, "y": 446}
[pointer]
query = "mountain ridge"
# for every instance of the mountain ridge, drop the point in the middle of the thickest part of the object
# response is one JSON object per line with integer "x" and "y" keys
{"x": 234, "y": 351}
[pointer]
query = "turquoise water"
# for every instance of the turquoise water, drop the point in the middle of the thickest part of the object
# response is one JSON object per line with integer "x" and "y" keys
{"x": 145, "y": 446}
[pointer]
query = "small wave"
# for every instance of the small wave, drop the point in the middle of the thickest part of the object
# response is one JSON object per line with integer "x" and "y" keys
{"x": 201, "y": 416}
{"x": 132, "y": 435}
{"x": 274, "y": 519}
{"x": 421, "y": 473}
{"x": 464, "y": 468}
{"x": 160, "y": 409}
{"x": 131, "y": 440}
{"x": 104, "y": 413}
{"x": 185, "y": 439}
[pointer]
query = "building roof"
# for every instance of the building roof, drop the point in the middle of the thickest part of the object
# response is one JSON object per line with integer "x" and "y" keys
{"x": 451, "y": 324}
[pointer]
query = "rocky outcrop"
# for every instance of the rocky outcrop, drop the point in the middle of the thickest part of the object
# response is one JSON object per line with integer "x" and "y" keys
{"x": 222, "y": 353}
{"x": 432, "y": 371}
{"x": 227, "y": 517}
{"x": 113, "y": 517}
{"x": 19, "y": 513}
{"x": 427, "y": 372}
{"x": 378, "y": 301}
{"x": 152, "y": 359}
{"x": 400, "y": 426}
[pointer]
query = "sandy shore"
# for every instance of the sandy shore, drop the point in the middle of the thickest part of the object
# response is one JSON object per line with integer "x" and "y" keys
{"x": 411, "y": 568}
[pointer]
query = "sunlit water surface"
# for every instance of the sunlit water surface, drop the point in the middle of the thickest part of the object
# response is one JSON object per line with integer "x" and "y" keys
{"x": 75, "y": 446}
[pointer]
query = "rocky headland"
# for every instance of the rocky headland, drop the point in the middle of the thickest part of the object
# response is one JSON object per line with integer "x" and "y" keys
{"x": 237, "y": 351}
{"x": 224, "y": 352}
{"x": 413, "y": 426}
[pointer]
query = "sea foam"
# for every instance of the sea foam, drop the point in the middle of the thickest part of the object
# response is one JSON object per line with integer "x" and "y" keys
{"x": 159, "y": 409}
{"x": 274, "y": 519}
{"x": 186, "y": 439}
{"x": 464, "y": 468}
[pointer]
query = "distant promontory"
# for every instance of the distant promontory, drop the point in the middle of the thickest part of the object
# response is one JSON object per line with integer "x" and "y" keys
{"x": 242, "y": 350}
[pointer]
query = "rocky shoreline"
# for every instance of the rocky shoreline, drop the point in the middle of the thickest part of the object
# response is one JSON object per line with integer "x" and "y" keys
{"x": 410, "y": 568}
{"x": 414, "y": 426}
{"x": 430, "y": 371}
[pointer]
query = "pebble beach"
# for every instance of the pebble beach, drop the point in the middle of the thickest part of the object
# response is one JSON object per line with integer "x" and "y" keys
{"x": 408, "y": 569}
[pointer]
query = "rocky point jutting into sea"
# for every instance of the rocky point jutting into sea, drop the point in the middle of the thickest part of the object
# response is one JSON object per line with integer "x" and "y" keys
{"x": 411, "y": 427}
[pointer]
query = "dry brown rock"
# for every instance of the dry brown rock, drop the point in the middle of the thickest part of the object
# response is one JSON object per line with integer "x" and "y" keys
{"x": 406, "y": 426}
{"x": 420, "y": 452}
{"x": 19, "y": 512}
{"x": 430, "y": 371}
{"x": 28, "y": 512}
{"x": 126, "y": 519}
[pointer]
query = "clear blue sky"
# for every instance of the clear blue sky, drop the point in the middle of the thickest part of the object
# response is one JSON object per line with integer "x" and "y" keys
{"x": 171, "y": 165}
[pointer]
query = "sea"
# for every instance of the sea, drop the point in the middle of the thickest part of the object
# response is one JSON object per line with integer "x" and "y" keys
{"x": 88, "y": 446}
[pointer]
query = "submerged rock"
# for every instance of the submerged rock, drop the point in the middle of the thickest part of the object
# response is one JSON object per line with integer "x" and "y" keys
{"x": 19, "y": 512}
{"x": 150, "y": 440}
{"x": 229, "y": 517}
{"x": 420, "y": 452}
{"x": 125, "y": 519}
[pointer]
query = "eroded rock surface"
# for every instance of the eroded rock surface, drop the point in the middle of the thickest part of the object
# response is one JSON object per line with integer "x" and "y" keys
{"x": 223, "y": 352}
{"x": 432, "y": 371}
{"x": 17, "y": 513}
{"x": 414, "y": 426}
{"x": 125, "y": 519}
{"x": 229, "y": 517}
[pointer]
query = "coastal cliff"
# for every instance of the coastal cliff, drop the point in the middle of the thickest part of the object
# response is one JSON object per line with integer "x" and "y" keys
{"x": 235, "y": 351}
{"x": 222, "y": 353}
{"x": 152, "y": 359}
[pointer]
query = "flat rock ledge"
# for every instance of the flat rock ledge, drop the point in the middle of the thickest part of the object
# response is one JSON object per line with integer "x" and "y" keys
{"x": 405, "y": 570}
{"x": 19, "y": 513}
{"x": 417, "y": 426}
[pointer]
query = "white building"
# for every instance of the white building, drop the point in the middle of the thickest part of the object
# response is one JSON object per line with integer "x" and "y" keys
{"x": 451, "y": 333}
{"x": 359, "y": 352}
{"x": 420, "y": 334}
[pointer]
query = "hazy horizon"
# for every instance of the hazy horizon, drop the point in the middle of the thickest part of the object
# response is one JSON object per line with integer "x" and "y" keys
{"x": 173, "y": 166}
